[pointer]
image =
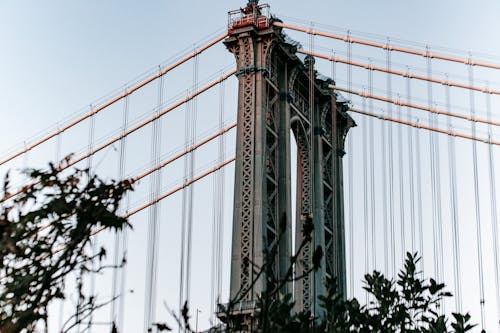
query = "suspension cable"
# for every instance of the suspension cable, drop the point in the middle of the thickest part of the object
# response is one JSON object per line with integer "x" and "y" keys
{"x": 190, "y": 188}
{"x": 182, "y": 273}
{"x": 432, "y": 159}
{"x": 476, "y": 202}
{"x": 119, "y": 236}
{"x": 365, "y": 194}
{"x": 334, "y": 68}
{"x": 124, "y": 232}
{"x": 419, "y": 107}
{"x": 61, "y": 302}
{"x": 350, "y": 175}
{"x": 385, "y": 214}
{"x": 410, "y": 167}
{"x": 454, "y": 210}
{"x": 372, "y": 173}
{"x": 94, "y": 247}
{"x": 401, "y": 186}
{"x": 161, "y": 197}
{"x": 420, "y": 126}
{"x": 493, "y": 205}
{"x": 419, "y": 196}
{"x": 169, "y": 160}
{"x": 391, "y": 167}
{"x": 387, "y": 46}
{"x": 58, "y": 147}
{"x": 406, "y": 74}
{"x": 153, "y": 220}
{"x": 351, "y": 187}
{"x": 131, "y": 129}
{"x": 114, "y": 99}
{"x": 218, "y": 216}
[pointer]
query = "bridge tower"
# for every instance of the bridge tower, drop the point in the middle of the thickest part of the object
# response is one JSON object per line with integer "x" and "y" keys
{"x": 282, "y": 95}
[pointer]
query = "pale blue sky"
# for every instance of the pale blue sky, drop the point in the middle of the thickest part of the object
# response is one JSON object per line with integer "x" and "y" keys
{"x": 57, "y": 57}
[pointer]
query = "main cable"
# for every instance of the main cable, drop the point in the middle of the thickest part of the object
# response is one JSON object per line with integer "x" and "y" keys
{"x": 130, "y": 130}
{"x": 333, "y": 59}
{"x": 115, "y": 99}
{"x": 388, "y": 46}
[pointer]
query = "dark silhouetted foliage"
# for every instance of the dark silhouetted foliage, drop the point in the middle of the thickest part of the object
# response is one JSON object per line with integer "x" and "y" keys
{"x": 45, "y": 234}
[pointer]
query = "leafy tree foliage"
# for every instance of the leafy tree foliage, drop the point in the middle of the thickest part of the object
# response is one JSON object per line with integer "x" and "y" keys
{"x": 45, "y": 234}
{"x": 409, "y": 304}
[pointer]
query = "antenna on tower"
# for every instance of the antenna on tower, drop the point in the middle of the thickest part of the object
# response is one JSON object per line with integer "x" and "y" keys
{"x": 253, "y": 3}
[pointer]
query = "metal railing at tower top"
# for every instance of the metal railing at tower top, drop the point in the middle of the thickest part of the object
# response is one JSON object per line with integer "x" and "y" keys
{"x": 256, "y": 15}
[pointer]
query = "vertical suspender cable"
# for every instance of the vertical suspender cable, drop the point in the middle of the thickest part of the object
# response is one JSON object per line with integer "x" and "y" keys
{"x": 153, "y": 225}
{"x": 365, "y": 191}
{"x": 334, "y": 68}
{"x": 215, "y": 240}
{"x": 476, "y": 201}
{"x": 419, "y": 199}
{"x": 410, "y": 164}
{"x": 401, "y": 186}
{"x": 222, "y": 182}
{"x": 391, "y": 166}
{"x": 439, "y": 214}
{"x": 493, "y": 205}
{"x": 116, "y": 261}
{"x": 58, "y": 146}
{"x": 218, "y": 216}
{"x": 454, "y": 209}
{"x": 372, "y": 172}
{"x": 94, "y": 247}
{"x": 350, "y": 175}
{"x": 191, "y": 175}
{"x": 384, "y": 198}
{"x": 432, "y": 156}
{"x": 26, "y": 155}
{"x": 57, "y": 159}
{"x": 350, "y": 144}
{"x": 91, "y": 141}
{"x": 124, "y": 232}
{"x": 187, "y": 196}
{"x": 184, "y": 212}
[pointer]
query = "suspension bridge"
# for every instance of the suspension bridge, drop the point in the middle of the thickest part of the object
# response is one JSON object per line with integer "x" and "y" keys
{"x": 389, "y": 146}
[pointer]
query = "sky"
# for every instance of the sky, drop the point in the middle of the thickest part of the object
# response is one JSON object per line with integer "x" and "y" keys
{"x": 59, "y": 58}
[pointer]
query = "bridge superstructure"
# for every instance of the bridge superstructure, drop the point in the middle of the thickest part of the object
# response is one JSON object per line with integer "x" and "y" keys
{"x": 402, "y": 192}
{"x": 280, "y": 95}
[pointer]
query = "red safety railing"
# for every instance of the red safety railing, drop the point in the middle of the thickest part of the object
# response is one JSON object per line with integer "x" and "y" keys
{"x": 257, "y": 16}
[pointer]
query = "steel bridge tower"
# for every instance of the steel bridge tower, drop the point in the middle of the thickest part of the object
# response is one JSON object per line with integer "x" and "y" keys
{"x": 281, "y": 95}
